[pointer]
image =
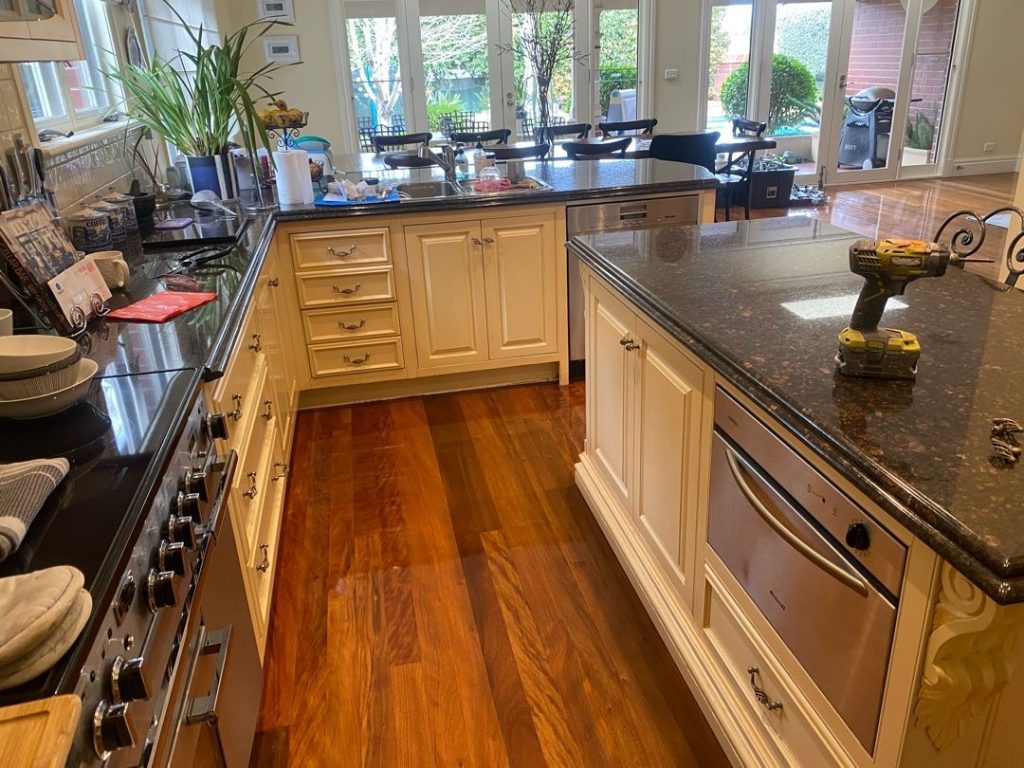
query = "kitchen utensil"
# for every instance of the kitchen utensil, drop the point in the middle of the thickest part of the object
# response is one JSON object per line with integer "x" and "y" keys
{"x": 6, "y": 322}
{"x": 54, "y": 402}
{"x": 112, "y": 266}
{"x": 30, "y": 352}
{"x": 207, "y": 200}
{"x": 40, "y": 381}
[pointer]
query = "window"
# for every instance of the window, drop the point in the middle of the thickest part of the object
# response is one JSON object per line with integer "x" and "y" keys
{"x": 75, "y": 94}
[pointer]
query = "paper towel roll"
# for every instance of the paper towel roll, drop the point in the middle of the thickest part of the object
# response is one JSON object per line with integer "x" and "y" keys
{"x": 294, "y": 184}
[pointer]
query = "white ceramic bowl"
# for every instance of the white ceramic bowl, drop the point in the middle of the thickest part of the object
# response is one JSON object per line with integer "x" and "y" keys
{"x": 30, "y": 351}
{"x": 55, "y": 402}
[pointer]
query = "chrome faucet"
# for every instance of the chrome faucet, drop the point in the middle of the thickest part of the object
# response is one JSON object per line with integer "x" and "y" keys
{"x": 446, "y": 162}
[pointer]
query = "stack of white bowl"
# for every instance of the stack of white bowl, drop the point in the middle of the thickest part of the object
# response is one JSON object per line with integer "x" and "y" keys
{"x": 41, "y": 375}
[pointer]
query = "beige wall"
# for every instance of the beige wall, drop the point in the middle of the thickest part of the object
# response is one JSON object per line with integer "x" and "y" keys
{"x": 311, "y": 85}
{"x": 992, "y": 107}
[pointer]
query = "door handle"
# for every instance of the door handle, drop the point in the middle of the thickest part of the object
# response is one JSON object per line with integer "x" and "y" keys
{"x": 842, "y": 81}
{"x": 204, "y": 709}
{"x": 845, "y": 575}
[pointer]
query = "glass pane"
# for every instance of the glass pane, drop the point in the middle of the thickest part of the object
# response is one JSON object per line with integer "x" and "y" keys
{"x": 42, "y": 87}
{"x": 87, "y": 88}
{"x": 25, "y": 10}
{"x": 618, "y": 62}
{"x": 798, "y": 80}
{"x": 728, "y": 62}
{"x": 930, "y": 78}
{"x": 455, "y": 68}
{"x": 541, "y": 28}
{"x": 376, "y": 77}
{"x": 873, "y": 75}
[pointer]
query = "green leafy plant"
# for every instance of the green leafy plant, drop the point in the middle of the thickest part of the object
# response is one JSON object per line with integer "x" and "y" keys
{"x": 920, "y": 132}
{"x": 441, "y": 105}
{"x": 197, "y": 98}
{"x": 792, "y": 84}
{"x": 809, "y": 110}
{"x": 615, "y": 78}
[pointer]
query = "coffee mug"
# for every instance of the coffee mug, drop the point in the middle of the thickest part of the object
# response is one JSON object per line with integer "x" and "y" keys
{"x": 112, "y": 266}
{"x": 6, "y": 322}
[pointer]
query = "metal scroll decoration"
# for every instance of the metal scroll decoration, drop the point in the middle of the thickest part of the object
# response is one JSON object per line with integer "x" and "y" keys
{"x": 970, "y": 232}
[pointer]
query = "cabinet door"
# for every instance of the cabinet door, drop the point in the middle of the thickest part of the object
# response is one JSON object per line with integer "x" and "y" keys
{"x": 610, "y": 326}
{"x": 669, "y": 404}
{"x": 272, "y": 339}
{"x": 520, "y": 275}
{"x": 447, "y": 285}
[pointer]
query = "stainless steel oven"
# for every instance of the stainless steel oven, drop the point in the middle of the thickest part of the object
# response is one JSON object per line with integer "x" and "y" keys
{"x": 823, "y": 572}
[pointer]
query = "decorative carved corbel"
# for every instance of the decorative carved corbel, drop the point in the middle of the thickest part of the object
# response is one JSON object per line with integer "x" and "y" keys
{"x": 969, "y": 658}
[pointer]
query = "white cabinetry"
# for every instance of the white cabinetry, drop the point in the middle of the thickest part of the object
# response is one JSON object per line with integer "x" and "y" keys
{"x": 50, "y": 39}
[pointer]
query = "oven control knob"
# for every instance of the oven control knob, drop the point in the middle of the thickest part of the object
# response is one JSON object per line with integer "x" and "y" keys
{"x": 190, "y": 505}
{"x": 216, "y": 425}
{"x": 126, "y": 680}
{"x": 160, "y": 589}
{"x": 171, "y": 557}
{"x": 197, "y": 481}
{"x": 857, "y": 536}
{"x": 182, "y": 529}
{"x": 125, "y": 596}
{"x": 111, "y": 729}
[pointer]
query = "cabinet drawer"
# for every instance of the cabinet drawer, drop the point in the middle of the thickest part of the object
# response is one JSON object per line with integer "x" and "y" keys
{"x": 326, "y": 325}
{"x": 249, "y": 489}
{"x": 332, "y": 250}
{"x": 319, "y": 289}
{"x": 356, "y": 358}
{"x": 264, "y": 556}
{"x": 739, "y": 652}
{"x": 232, "y": 394}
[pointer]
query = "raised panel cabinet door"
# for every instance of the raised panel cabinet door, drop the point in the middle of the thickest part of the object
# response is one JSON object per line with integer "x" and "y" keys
{"x": 273, "y": 336}
{"x": 447, "y": 285}
{"x": 669, "y": 400}
{"x": 610, "y": 325}
{"x": 520, "y": 274}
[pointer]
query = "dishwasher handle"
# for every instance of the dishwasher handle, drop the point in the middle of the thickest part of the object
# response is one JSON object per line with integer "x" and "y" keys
{"x": 846, "y": 575}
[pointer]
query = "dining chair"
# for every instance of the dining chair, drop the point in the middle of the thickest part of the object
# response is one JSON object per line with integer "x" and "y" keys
{"x": 643, "y": 127}
{"x": 741, "y": 126}
{"x": 406, "y": 159}
{"x": 498, "y": 136}
{"x": 572, "y": 130}
{"x": 382, "y": 143}
{"x": 585, "y": 150}
{"x": 528, "y": 152}
{"x": 696, "y": 149}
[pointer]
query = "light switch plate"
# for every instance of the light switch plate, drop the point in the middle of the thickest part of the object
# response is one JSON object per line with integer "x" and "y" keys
{"x": 672, "y": 74}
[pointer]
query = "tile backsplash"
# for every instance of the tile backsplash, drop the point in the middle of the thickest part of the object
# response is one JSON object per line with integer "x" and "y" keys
{"x": 77, "y": 174}
{"x": 13, "y": 119}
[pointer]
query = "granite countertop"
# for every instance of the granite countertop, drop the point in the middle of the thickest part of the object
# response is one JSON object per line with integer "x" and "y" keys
{"x": 763, "y": 303}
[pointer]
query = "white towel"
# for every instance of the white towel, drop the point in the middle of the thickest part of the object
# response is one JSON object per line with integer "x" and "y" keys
{"x": 24, "y": 488}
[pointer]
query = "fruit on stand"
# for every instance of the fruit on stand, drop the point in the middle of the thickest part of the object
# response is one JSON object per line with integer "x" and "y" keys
{"x": 278, "y": 115}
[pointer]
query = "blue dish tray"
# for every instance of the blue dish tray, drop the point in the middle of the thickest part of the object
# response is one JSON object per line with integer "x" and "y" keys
{"x": 391, "y": 198}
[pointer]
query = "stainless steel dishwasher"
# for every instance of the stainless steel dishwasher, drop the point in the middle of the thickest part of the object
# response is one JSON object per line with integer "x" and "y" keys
{"x": 668, "y": 210}
{"x": 823, "y": 572}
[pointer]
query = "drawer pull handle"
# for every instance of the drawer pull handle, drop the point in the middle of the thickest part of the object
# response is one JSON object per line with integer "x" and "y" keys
{"x": 251, "y": 493}
{"x": 269, "y": 413}
{"x": 265, "y": 565}
{"x": 347, "y": 291}
{"x": 273, "y": 282}
{"x": 632, "y": 346}
{"x": 489, "y": 240}
{"x": 625, "y": 341}
{"x": 237, "y": 413}
{"x": 284, "y": 471}
{"x": 477, "y": 241}
{"x": 356, "y": 360}
{"x": 342, "y": 253}
{"x": 257, "y": 345}
{"x": 352, "y": 326}
{"x": 760, "y": 694}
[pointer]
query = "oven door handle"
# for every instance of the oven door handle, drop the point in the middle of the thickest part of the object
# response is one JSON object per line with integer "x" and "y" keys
{"x": 204, "y": 708}
{"x": 845, "y": 575}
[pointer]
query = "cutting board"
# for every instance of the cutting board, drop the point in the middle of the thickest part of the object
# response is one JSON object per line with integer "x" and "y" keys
{"x": 38, "y": 734}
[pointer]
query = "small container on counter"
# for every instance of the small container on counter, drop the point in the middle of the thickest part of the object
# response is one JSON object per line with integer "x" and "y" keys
{"x": 88, "y": 229}
{"x": 115, "y": 214}
{"x": 127, "y": 205}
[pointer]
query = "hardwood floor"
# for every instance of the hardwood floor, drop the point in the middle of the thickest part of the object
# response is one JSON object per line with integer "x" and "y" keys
{"x": 915, "y": 208}
{"x": 445, "y": 598}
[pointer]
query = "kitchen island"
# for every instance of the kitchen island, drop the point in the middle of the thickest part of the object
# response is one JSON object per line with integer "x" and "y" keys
{"x": 686, "y": 322}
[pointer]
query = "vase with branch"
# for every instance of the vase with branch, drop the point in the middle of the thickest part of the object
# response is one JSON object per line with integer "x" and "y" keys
{"x": 544, "y": 40}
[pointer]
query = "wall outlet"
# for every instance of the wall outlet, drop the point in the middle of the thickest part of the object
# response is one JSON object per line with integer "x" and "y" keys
{"x": 988, "y": 146}
{"x": 671, "y": 74}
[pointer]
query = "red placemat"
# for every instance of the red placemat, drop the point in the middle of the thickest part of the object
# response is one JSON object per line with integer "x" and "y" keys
{"x": 161, "y": 307}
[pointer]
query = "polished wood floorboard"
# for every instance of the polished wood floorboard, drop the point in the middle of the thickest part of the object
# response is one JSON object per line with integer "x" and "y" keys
{"x": 445, "y": 598}
{"x": 910, "y": 208}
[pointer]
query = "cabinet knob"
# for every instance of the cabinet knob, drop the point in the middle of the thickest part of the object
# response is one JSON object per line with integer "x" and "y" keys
{"x": 252, "y": 490}
{"x": 269, "y": 413}
{"x": 477, "y": 241}
{"x": 489, "y": 240}
{"x": 257, "y": 345}
{"x": 631, "y": 346}
{"x": 273, "y": 282}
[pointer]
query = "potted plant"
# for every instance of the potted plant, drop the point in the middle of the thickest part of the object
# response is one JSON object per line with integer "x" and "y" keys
{"x": 543, "y": 39}
{"x": 918, "y": 140}
{"x": 198, "y": 98}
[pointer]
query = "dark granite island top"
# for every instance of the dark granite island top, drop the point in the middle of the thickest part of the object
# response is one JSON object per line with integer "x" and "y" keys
{"x": 762, "y": 302}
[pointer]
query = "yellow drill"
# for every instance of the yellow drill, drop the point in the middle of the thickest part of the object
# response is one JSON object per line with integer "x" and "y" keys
{"x": 887, "y": 266}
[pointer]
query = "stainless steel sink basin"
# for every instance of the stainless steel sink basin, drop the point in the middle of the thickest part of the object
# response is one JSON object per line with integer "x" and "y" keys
{"x": 420, "y": 190}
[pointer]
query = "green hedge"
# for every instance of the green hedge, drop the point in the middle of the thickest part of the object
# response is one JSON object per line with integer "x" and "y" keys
{"x": 792, "y": 84}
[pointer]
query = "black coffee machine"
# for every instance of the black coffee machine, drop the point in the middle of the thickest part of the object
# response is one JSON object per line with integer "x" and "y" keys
{"x": 864, "y": 142}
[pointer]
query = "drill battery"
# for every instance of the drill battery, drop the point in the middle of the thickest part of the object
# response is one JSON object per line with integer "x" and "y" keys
{"x": 885, "y": 353}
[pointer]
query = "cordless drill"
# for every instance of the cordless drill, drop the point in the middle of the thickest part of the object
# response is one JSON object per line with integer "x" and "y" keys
{"x": 887, "y": 266}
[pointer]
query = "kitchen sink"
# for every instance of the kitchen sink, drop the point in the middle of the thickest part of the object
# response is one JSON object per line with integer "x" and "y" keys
{"x": 525, "y": 187}
{"x": 420, "y": 190}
